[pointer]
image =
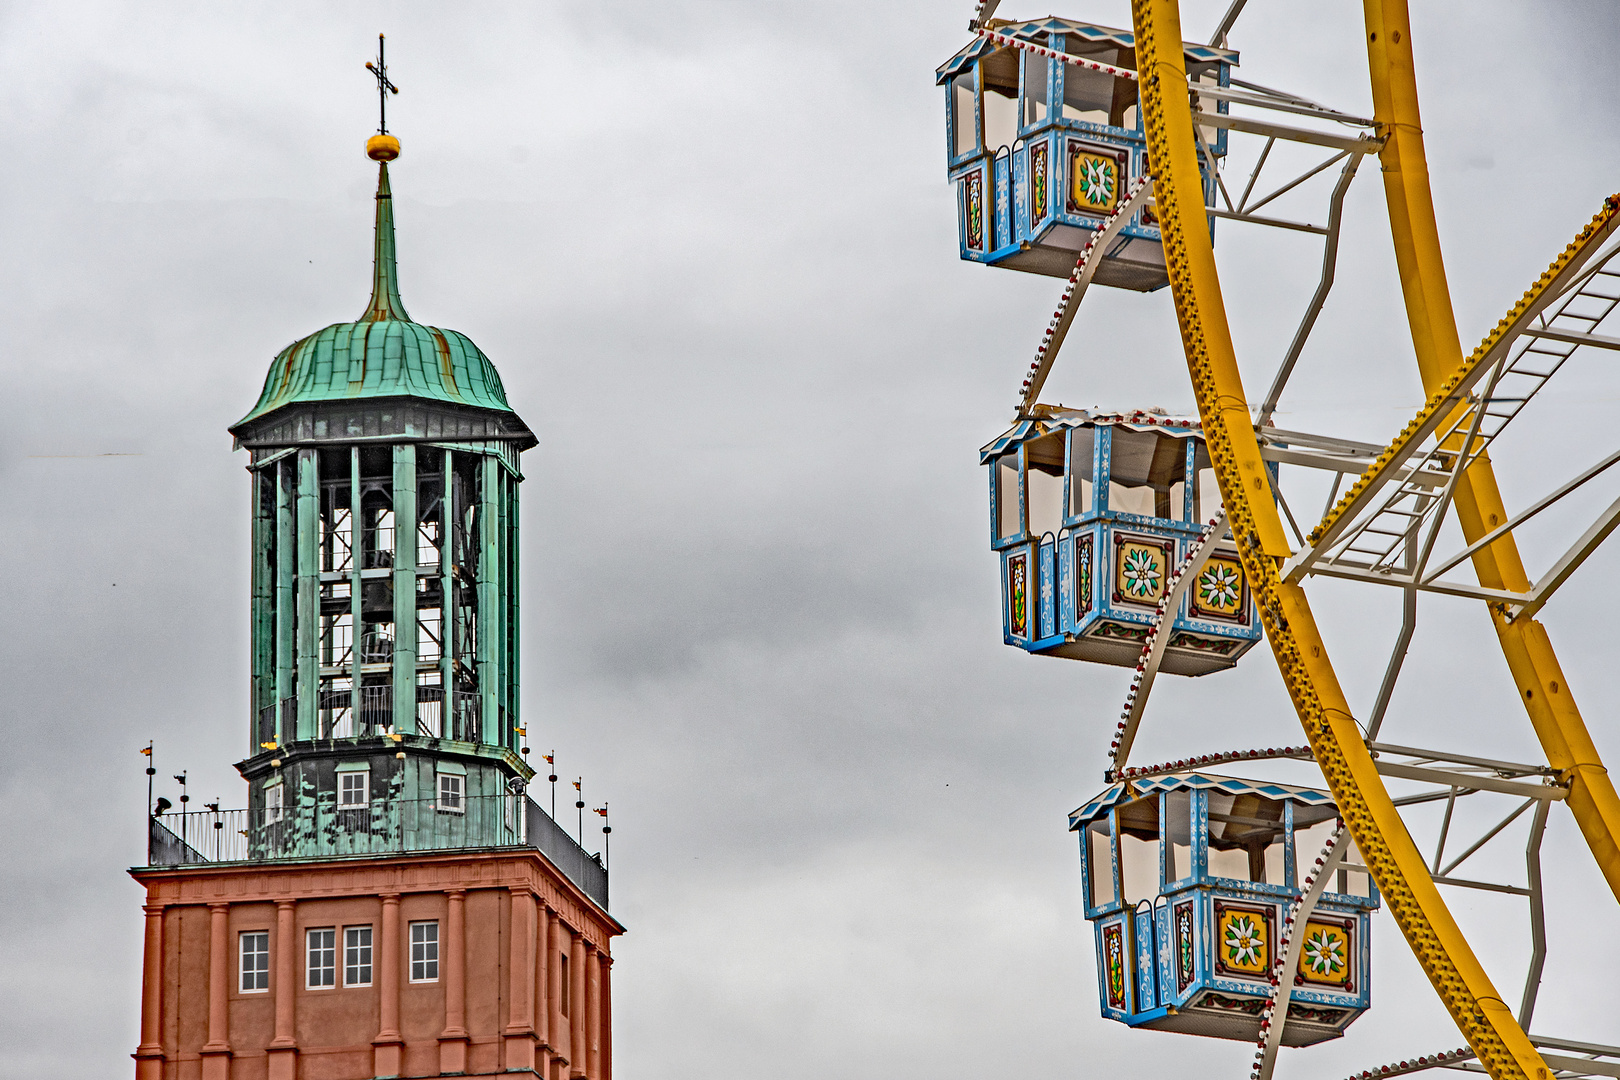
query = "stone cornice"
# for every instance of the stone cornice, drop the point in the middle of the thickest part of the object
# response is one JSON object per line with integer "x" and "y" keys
{"x": 245, "y": 883}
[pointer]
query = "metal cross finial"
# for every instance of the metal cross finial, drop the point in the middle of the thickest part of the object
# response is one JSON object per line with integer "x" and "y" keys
{"x": 384, "y": 87}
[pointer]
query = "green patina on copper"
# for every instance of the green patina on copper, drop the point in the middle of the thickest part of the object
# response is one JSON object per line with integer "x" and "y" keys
{"x": 383, "y": 354}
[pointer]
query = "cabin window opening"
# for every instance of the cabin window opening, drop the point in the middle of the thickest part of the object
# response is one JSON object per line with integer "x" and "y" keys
{"x": 1045, "y": 484}
{"x": 963, "y": 120}
{"x": 1246, "y": 840}
{"x": 1000, "y": 119}
{"x": 1177, "y": 836}
{"x": 1100, "y": 863}
{"x": 1082, "y": 442}
{"x": 1096, "y": 97}
{"x": 1206, "y": 74}
{"x": 1037, "y": 81}
{"x": 1143, "y": 468}
{"x": 1139, "y": 848}
{"x": 1354, "y": 882}
{"x": 1311, "y": 833}
{"x": 998, "y": 72}
{"x": 1009, "y": 521}
{"x": 1207, "y": 490}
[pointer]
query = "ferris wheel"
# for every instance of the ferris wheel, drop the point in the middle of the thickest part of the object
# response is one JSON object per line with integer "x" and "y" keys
{"x": 1229, "y": 906}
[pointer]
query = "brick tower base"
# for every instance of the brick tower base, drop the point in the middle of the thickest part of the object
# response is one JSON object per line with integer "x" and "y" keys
{"x": 464, "y": 963}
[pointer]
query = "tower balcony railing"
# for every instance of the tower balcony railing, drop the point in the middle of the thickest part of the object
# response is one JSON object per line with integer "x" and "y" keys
{"x": 324, "y": 830}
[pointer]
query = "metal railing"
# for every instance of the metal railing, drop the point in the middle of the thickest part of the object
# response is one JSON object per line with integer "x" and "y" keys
{"x": 321, "y": 829}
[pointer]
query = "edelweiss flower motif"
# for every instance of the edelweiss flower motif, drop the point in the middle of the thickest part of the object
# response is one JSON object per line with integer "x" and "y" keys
{"x": 1142, "y": 573}
{"x": 1218, "y": 586}
{"x": 1324, "y": 952}
{"x": 1243, "y": 941}
{"x": 1097, "y": 181}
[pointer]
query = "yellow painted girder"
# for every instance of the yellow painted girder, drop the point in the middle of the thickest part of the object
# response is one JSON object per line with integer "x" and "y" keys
{"x": 1336, "y": 741}
{"x": 1446, "y": 397}
{"x": 1543, "y": 691}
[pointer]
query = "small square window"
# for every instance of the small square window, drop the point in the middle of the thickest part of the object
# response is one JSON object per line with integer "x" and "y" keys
{"x": 272, "y": 803}
{"x": 357, "y": 956}
{"x": 322, "y": 968}
{"x": 353, "y": 789}
{"x": 255, "y": 961}
{"x": 451, "y": 788}
{"x": 425, "y": 952}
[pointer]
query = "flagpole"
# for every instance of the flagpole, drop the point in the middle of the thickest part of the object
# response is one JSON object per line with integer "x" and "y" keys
{"x": 151, "y": 771}
{"x": 579, "y": 807}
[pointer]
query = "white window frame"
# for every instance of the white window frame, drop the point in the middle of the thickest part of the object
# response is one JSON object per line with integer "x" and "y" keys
{"x": 456, "y": 802}
{"x": 424, "y": 944}
{"x": 345, "y": 787}
{"x": 353, "y": 951}
{"x": 256, "y": 937}
{"x": 320, "y": 958}
{"x": 273, "y": 807}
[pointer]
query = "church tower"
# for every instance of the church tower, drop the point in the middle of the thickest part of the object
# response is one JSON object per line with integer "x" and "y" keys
{"x": 390, "y": 902}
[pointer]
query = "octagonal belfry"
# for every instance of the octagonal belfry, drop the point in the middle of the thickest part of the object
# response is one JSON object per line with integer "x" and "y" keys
{"x": 386, "y": 472}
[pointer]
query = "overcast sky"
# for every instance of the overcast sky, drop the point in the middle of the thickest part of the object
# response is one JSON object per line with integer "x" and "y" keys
{"x": 711, "y": 249}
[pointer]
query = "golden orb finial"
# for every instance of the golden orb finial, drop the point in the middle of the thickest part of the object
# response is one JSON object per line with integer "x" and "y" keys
{"x": 382, "y": 148}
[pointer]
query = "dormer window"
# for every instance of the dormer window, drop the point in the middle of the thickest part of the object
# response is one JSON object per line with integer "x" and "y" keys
{"x": 354, "y": 789}
{"x": 452, "y": 793}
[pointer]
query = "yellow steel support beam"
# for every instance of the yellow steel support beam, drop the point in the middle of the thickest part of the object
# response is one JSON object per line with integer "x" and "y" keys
{"x": 1368, "y": 811}
{"x": 1542, "y": 688}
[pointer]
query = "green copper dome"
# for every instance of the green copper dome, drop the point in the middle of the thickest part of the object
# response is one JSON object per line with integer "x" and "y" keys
{"x": 383, "y": 354}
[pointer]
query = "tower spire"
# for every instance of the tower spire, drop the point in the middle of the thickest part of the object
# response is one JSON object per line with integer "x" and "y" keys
{"x": 383, "y": 148}
{"x": 385, "y": 301}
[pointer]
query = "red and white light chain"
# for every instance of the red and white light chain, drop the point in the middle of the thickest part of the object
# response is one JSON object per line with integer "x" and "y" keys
{"x": 1137, "y": 416}
{"x": 1145, "y": 771}
{"x": 1417, "y": 1064}
{"x": 1053, "y": 54}
{"x": 1074, "y": 280}
{"x": 1160, "y": 625}
{"x": 1282, "y": 949}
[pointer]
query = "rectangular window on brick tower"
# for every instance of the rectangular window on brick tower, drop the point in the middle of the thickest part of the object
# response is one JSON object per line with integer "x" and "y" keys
{"x": 562, "y": 1002}
{"x": 357, "y": 956}
{"x": 425, "y": 951}
{"x": 255, "y": 961}
{"x": 322, "y": 968}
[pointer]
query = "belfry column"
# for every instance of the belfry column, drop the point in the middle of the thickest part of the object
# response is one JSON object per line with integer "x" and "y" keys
{"x": 308, "y": 672}
{"x": 216, "y": 1052}
{"x": 149, "y": 1055}
{"x": 405, "y": 633}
